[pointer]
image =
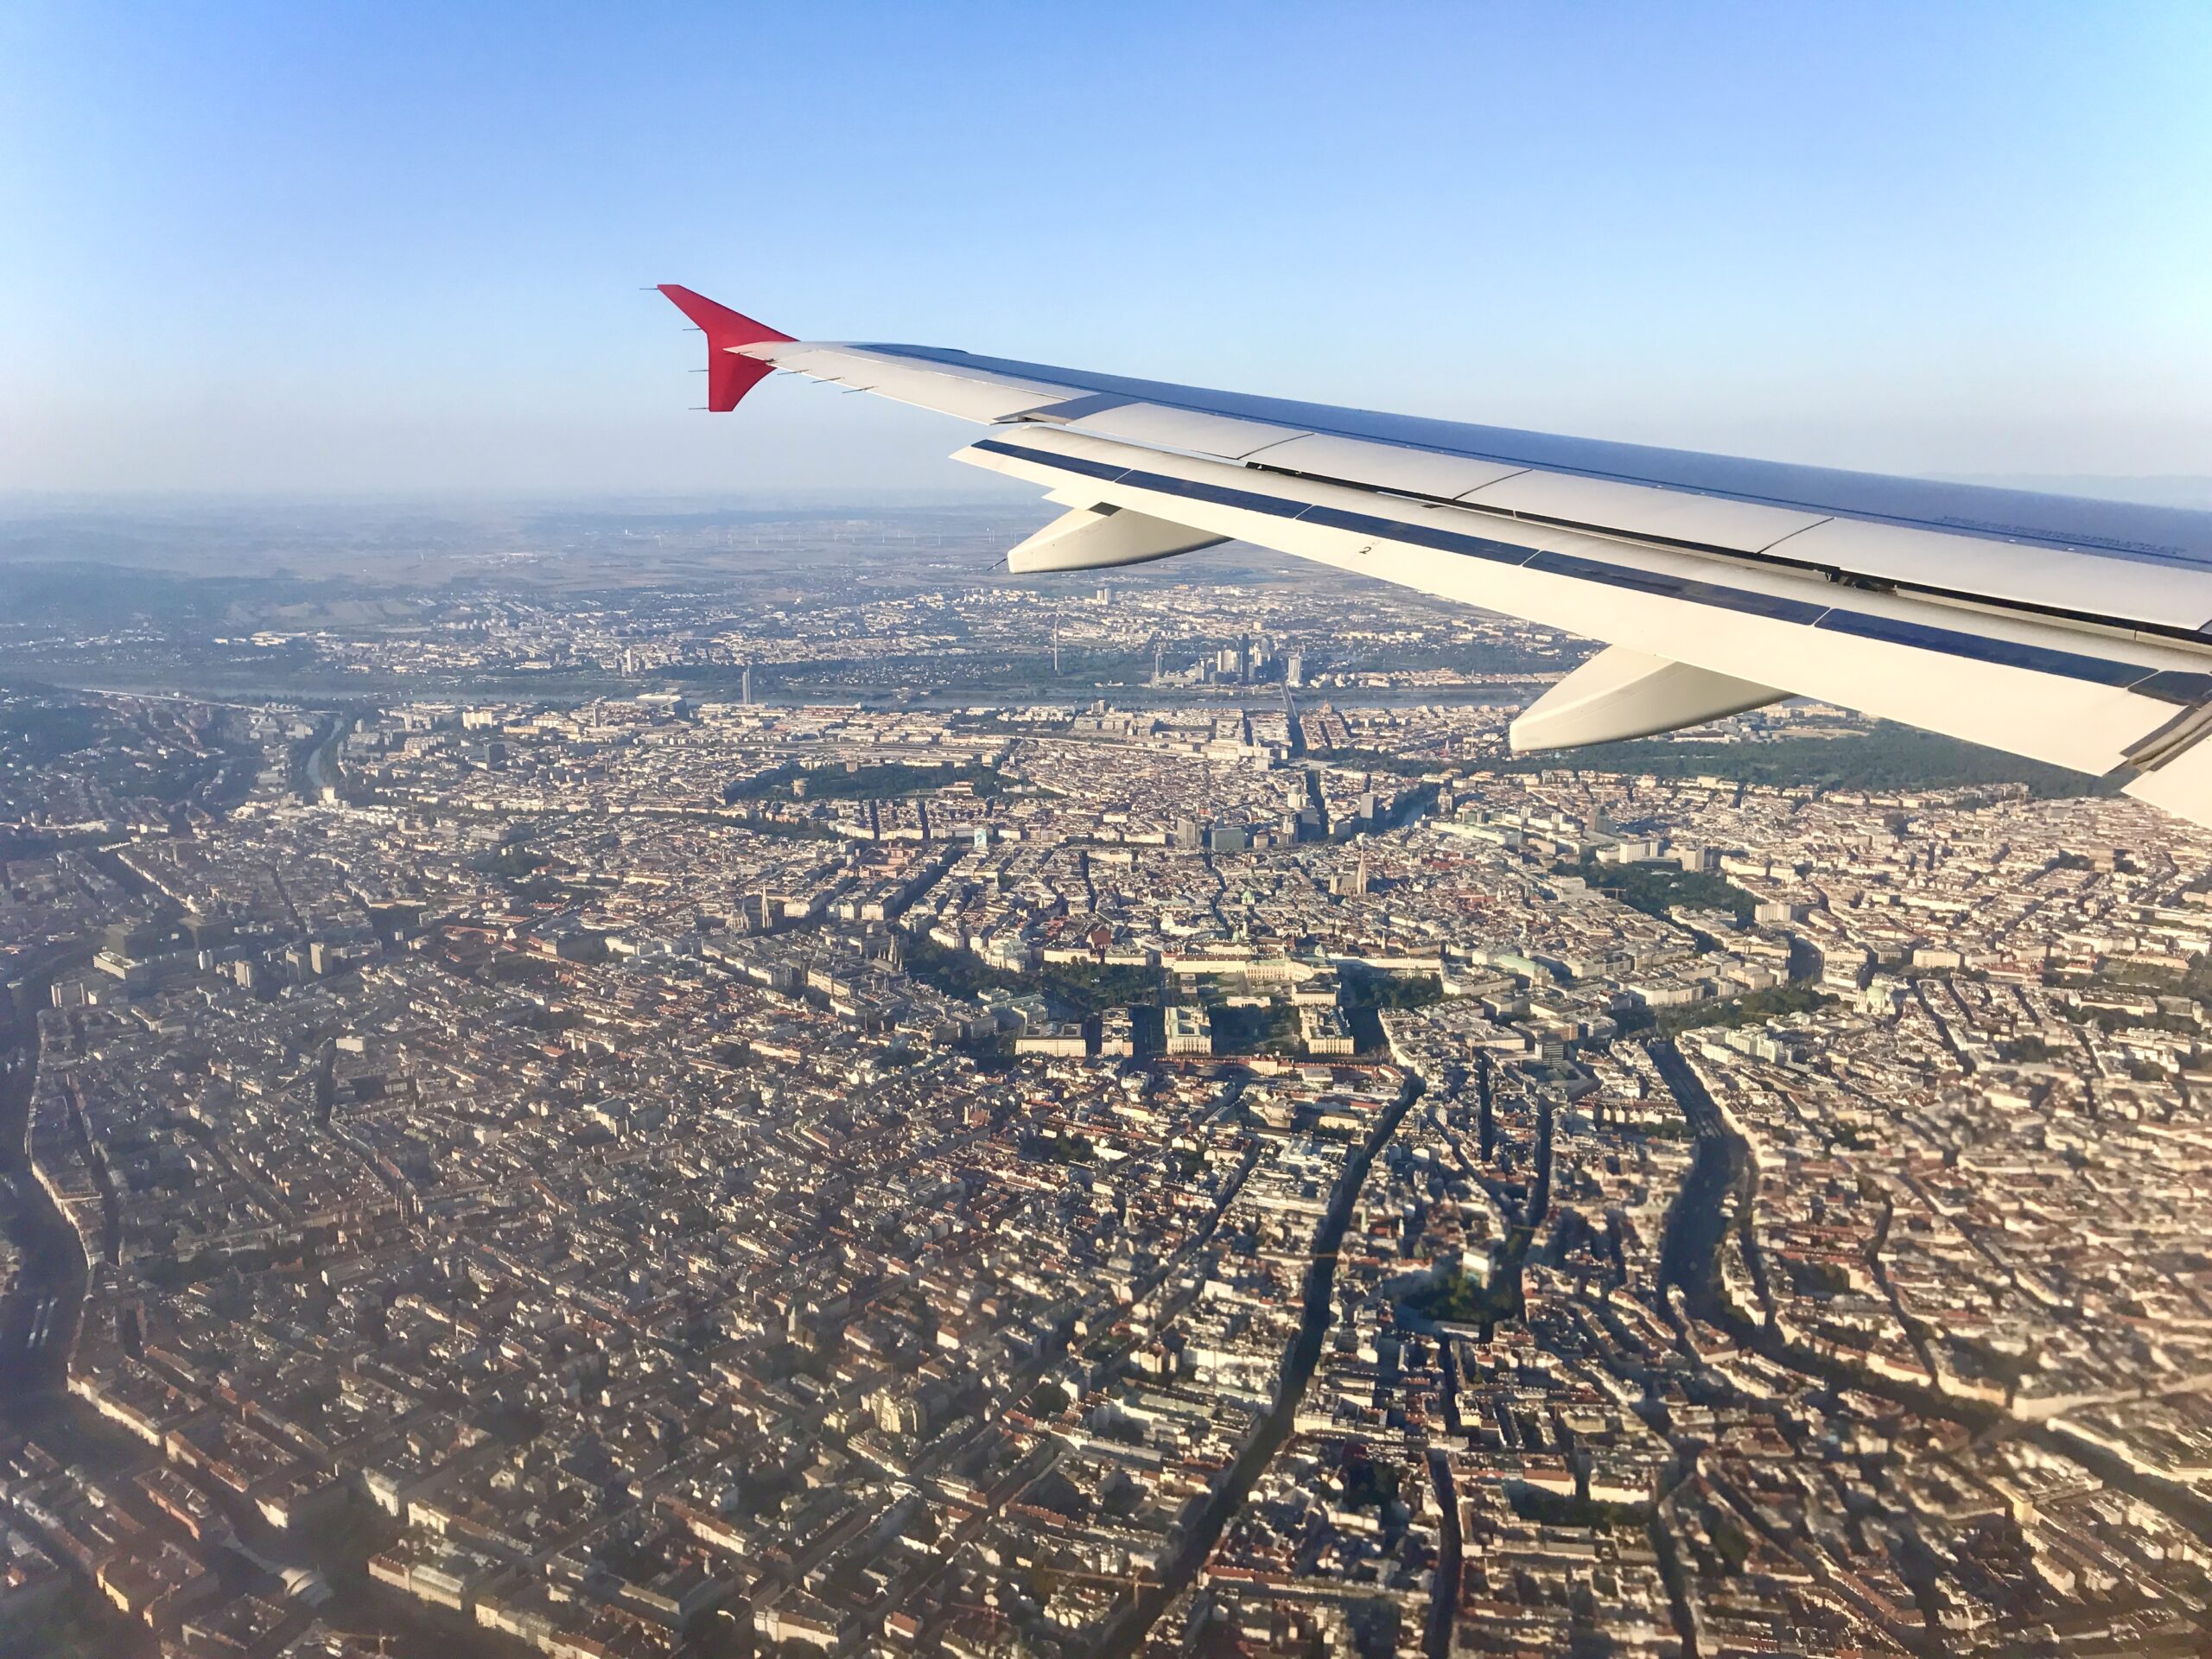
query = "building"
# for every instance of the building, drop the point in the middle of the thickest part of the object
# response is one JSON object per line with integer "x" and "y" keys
{"x": 1189, "y": 1029}
{"x": 1324, "y": 1030}
{"x": 1058, "y": 1038}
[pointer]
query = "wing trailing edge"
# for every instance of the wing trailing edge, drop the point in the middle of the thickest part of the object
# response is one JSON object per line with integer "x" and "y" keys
{"x": 2071, "y": 696}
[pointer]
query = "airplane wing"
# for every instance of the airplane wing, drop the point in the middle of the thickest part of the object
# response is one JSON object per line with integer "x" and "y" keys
{"x": 2071, "y": 630}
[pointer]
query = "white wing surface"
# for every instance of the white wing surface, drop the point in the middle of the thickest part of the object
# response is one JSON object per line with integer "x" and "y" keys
{"x": 2069, "y": 631}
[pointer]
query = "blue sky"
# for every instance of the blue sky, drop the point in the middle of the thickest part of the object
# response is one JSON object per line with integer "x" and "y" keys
{"x": 397, "y": 248}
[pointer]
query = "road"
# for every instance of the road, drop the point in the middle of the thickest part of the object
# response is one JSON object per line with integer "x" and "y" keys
{"x": 1126, "y": 1633}
{"x": 1444, "y": 1601}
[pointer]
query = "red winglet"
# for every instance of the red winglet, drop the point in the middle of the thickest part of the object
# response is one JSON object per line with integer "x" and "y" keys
{"x": 729, "y": 376}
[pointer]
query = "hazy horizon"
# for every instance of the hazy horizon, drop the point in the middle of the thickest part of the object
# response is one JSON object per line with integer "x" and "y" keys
{"x": 986, "y": 492}
{"x": 271, "y": 249}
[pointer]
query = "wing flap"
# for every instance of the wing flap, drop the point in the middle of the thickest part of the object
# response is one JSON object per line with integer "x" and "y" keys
{"x": 2168, "y": 596}
{"x": 1157, "y": 427}
{"x": 1385, "y": 465}
{"x": 1664, "y": 516}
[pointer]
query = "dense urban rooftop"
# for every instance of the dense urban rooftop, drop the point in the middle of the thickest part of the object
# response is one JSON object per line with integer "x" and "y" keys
{"x": 1215, "y": 1157}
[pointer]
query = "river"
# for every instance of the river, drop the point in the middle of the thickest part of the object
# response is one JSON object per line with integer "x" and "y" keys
{"x": 322, "y": 770}
{"x": 1698, "y": 1219}
{"x": 39, "y": 1320}
{"x": 38, "y": 1317}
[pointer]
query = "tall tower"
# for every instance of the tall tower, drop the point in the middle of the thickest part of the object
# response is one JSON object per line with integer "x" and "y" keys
{"x": 1055, "y": 652}
{"x": 1159, "y": 646}
{"x": 744, "y": 685}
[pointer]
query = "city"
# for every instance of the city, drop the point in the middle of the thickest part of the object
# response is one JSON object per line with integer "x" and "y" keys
{"x": 887, "y": 831}
{"x": 715, "y": 1116}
